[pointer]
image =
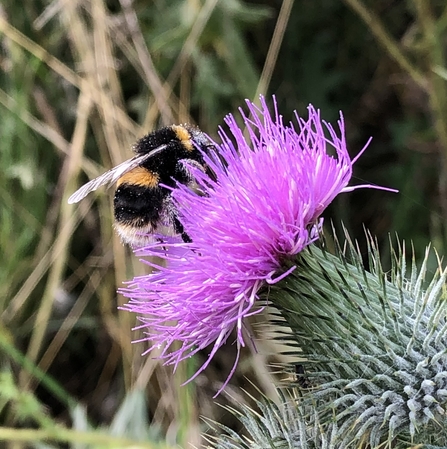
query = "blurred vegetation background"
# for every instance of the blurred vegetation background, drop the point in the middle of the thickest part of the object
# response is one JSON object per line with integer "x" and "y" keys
{"x": 81, "y": 80}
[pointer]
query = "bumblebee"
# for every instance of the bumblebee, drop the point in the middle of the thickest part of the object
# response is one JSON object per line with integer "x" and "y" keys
{"x": 142, "y": 205}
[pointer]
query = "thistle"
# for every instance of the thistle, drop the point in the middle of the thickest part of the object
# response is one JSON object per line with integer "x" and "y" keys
{"x": 285, "y": 425}
{"x": 375, "y": 345}
{"x": 372, "y": 352}
{"x": 263, "y": 208}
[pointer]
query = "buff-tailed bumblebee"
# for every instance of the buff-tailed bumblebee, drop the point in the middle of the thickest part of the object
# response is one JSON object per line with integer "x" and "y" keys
{"x": 142, "y": 205}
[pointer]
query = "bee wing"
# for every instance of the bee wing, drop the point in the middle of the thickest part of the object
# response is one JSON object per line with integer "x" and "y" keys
{"x": 111, "y": 176}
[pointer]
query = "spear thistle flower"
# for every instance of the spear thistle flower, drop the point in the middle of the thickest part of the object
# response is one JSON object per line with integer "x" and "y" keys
{"x": 262, "y": 209}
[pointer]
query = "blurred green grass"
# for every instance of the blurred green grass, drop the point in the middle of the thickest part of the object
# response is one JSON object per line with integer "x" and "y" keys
{"x": 80, "y": 81}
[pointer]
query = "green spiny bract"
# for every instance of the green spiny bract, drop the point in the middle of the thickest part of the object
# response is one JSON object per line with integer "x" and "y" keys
{"x": 375, "y": 344}
{"x": 272, "y": 426}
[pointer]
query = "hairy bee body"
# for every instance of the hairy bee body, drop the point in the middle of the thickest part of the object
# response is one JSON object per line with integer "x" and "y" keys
{"x": 142, "y": 205}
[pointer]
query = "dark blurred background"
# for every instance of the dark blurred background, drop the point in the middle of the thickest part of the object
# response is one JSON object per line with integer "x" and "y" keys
{"x": 81, "y": 80}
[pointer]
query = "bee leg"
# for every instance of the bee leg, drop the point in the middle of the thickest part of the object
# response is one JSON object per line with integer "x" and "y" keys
{"x": 186, "y": 238}
{"x": 180, "y": 230}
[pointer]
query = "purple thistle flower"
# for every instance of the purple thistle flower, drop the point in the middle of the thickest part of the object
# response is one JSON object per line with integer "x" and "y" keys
{"x": 263, "y": 209}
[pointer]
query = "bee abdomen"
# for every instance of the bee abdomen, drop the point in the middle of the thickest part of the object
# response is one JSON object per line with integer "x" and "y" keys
{"x": 139, "y": 206}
